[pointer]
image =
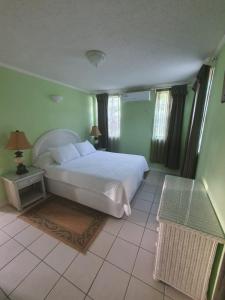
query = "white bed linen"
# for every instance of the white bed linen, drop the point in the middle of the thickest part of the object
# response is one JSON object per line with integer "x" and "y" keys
{"x": 115, "y": 175}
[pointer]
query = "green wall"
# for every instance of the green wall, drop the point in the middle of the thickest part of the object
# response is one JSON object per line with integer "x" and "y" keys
{"x": 211, "y": 166}
{"x": 136, "y": 126}
{"x": 25, "y": 105}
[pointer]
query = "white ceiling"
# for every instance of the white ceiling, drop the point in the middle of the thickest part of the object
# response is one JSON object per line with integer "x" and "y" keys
{"x": 147, "y": 42}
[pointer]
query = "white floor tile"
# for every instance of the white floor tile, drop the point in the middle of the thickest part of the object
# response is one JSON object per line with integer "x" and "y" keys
{"x": 110, "y": 283}
{"x": 113, "y": 225}
{"x": 43, "y": 245}
{"x": 131, "y": 232}
{"x": 142, "y": 205}
{"x": 3, "y": 237}
{"x": 2, "y": 295}
{"x": 149, "y": 188}
{"x": 61, "y": 257}
{"x": 158, "y": 196}
{"x": 64, "y": 290}
{"x": 144, "y": 267}
{"x": 138, "y": 217}
{"x": 149, "y": 240}
{"x": 145, "y": 195}
{"x": 83, "y": 270}
{"x": 123, "y": 254}
{"x": 152, "y": 223}
{"x": 15, "y": 227}
{"x": 175, "y": 294}
{"x": 28, "y": 235}
{"x": 139, "y": 290}
{"x": 6, "y": 219}
{"x": 14, "y": 272}
{"x": 154, "y": 208}
{"x": 102, "y": 244}
{"x": 8, "y": 251}
{"x": 37, "y": 285}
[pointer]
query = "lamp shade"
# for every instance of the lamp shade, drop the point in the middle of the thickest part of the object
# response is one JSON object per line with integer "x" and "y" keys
{"x": 95, "y": 131}
{"x": 18, "y": 141}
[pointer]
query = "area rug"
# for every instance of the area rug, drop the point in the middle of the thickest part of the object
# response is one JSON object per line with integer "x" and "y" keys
{"x": 68, "y": 221}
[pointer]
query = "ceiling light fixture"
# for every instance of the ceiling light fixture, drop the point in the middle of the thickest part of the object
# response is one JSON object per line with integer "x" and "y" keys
{"x": 95, "y": 57}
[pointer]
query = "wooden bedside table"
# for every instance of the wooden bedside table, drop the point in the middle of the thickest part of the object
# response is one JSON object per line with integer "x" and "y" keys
{"x": 22, "y": 190}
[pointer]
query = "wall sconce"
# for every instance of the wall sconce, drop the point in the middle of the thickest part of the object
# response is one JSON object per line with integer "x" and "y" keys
{"x": 56, "y": 98}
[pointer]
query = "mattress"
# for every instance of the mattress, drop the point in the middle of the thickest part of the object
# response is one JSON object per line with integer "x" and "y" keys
{"x": 115, "y": 175}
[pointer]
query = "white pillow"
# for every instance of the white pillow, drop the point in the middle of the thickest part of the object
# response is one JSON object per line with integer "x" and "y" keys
{"x": 44, "y": 160}
{"x": 64, "y": 153}
{"x": 85, "y": 148}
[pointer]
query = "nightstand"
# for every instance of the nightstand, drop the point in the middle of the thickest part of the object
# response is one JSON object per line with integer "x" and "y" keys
{"x": 23, "y": 190}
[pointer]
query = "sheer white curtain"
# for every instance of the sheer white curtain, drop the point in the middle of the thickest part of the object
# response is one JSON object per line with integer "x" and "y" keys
{"x": 114, "y": 114}
{"x": 161, "y": 126}
{"x": 162, "y": 114}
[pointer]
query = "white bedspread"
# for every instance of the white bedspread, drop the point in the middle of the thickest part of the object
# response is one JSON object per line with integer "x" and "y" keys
{"x": 115, "y": 175}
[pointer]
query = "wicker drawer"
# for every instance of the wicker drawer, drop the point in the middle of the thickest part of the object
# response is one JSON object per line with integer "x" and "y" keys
{"x": 28, "y": 181}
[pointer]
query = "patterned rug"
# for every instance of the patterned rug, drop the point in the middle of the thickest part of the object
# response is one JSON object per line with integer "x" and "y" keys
{"x": 68, "y": 221}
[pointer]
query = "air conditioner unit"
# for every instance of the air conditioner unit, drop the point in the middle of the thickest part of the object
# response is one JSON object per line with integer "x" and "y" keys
{"x": 136, "y": 96}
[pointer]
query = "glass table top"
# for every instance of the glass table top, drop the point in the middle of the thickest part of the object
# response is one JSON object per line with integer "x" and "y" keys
{"x": 186, "y": 202}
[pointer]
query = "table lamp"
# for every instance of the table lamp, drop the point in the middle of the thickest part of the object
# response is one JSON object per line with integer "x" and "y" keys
{"x": 95, "y": 132}
{"x": 18, "y": 141}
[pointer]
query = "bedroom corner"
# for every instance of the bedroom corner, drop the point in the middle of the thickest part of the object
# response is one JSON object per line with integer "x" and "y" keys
{"x": 26, "y": 105}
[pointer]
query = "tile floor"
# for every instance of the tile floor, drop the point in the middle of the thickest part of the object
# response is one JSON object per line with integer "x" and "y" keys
{"x": 118, "y": 265}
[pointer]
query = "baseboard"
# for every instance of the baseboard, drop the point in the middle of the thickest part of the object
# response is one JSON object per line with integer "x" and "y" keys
{"x": 163, "y": 170}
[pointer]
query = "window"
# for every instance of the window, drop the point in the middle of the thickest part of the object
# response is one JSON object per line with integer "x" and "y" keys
{"x": 114, "y": 116}
{"x": 162, "y": 113}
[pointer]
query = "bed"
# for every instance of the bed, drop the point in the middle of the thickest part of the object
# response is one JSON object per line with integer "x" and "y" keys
{"x": 101, "y": 180}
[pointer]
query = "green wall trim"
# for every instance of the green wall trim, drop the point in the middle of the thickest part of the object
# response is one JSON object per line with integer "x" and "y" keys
{"x": 25, "y": 104}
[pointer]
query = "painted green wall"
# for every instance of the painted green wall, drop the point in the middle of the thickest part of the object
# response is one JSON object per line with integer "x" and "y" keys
{"x": 25, "y": 105}
{"x": 211, "y": 166}
{"x": 136, "y": 126}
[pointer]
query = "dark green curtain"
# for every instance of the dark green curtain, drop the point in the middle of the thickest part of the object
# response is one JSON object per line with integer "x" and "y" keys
{"x": 178, "y": 94}
{"x": 102, "y": 100}
{"x": 192, "y": 140}
{"x": 158, "y": 151}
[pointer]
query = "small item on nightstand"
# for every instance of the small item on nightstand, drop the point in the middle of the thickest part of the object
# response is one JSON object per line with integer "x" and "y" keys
{"x": 18, "y": 141}
{"x": 95, "y": 132}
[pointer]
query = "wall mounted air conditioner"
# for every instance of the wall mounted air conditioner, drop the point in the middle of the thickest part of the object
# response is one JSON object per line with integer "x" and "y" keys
{"x": 136, "y": 96}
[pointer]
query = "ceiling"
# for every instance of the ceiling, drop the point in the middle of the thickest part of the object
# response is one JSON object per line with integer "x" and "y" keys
{"x": 147, "y": 42}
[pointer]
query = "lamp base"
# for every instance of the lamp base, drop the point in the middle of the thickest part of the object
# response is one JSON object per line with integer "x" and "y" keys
{"x": 21, "y": 169}
{"x": 96, "y": 142}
